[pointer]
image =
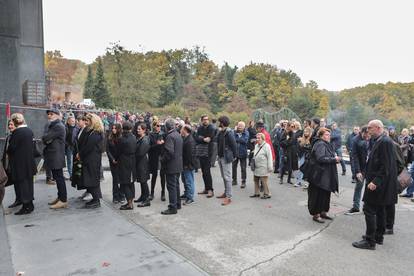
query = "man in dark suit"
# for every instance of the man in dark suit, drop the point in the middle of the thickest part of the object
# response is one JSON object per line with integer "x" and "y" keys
{"x": 54, "y": 154}
{"x": 173, "y": 158}
{"x": 381, "y": 185}
{"x": 359, "y": 153}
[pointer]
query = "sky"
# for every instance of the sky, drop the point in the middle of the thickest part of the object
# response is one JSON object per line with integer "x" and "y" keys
{"x": 339, "y": 44}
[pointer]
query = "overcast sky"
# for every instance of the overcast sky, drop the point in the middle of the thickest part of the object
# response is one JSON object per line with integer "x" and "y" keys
{"x": 339, "y": 44}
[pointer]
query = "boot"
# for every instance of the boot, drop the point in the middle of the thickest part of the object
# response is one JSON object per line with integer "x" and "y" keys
{"x": 364, "y": 244}
{"x": 163, "y": 196}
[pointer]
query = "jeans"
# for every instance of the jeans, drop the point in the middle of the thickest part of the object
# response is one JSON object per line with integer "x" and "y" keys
{"x": 410, "y": 188}
{"x": 225, "y": 170}
{"x": 205, "y": 169}
{"x": 351, "y": 160}
{"x": 281, "y": 162}
{"x": 173, "y": 187}
{"x": 375, "y": 221}
{"x": 299, "y": 173}
{"x": 69, "y": 159}
{"x": 339, "y": 153}
{"x": 357, "y": 193}
{"x": 243, "y": 165}
{"x": 60, "y": 183}
{"x": 189, "y": 184}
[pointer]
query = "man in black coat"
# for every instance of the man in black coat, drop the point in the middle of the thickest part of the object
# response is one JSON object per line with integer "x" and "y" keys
{"x": 359, "y": 152}
{"x": 173, "y": 158}
{"x": 381, "y": 185}
{"x": 22, "y": 163}
{"x": 205, "y": 135}
{"x": 54, "y": 155}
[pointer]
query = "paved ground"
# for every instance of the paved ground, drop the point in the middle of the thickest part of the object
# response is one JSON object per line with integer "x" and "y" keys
{"x": 248, "y": 237}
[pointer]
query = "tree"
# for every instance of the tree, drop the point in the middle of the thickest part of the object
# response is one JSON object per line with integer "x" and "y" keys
{"x": 101, "y": 93}
{"x": 89, "y": 88}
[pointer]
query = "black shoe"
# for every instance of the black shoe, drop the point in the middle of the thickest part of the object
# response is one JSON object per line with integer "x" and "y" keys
{"x": 234, "y": 183}
{"x": 389, "y": 232}
{"x": 178, "y": 207}
{"x": 93, "y": 204}
{"x": 169, "y": 212}
{"x": 163, "y": 197}
{"x": 353, "y": 181}
{"x": 325, "y": 216}
{"x": 318, "y": 219}
{"x": 379, "y": 241}
{"x": 281, "y": 181}
{"x": 145, "y": 203}
{"x": 151, "y": 197}
{"x": 364, "y": 244}
{"x": 253, "y": 196}
{"x": 266, "y": 197}
{"x": 243, "y": 185}
{"x": 25, "y": 210}
{"x": 188, "y": 202}
{"x": 352, "y": 211}
{"x": 183, "y": 197}
{"x": 126, "y": 207}
{"x": 343, "y": 172}
{"x": 15, "y": 204}
{"x": 140, "y": 199}
{"x": 407, "y": 195}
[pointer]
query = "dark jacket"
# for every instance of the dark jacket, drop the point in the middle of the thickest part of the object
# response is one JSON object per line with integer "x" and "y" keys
{"x": 350, "y": 141}
{"x": 382, "y": 171}
{"x": 143, "y": 146}
{"x": 20, "y": 153}
{"x": 203, "y": 132}
{"x": 54, "y": 140}
{"x": 226, "y": 145}
{"x": 112, "y": 150}
{"x": 336, "y": 139}
{"x": 359, "y": 153}
{"x": 127, "y": 148}
{"x": 242, "y": 139}
{"x": 155, "y": 151}
{"x": 188, "y": 153}
{"x": 324, "y": 155}
{"x": 290, "y": 148}
{"x": 252, "y": 138}
{"x": 71, "y": 134}
{"x": 90, "y": 153}
{"x": 173, "y": 153}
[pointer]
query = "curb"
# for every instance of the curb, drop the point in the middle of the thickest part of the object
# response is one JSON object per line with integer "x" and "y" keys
{"x": 6, "y": 265}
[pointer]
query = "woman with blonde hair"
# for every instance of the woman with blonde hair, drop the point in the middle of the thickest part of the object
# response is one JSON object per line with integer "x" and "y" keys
{"x": 90, "y": 154}
{"x": 305, "y": 147}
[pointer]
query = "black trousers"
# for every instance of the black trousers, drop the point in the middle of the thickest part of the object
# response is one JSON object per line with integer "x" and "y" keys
{"x": 24, "y": 190}
{"x": 154, "y": 181}
{"x": 389, "y": 216}
{"x": 319, "y": 200}
{"x": 205, "y": 169}
{"x": 173, "y": 187}
{"x": 144, "y": 190}
{"x": 116, "y": 186}
{"x": 95, "y": 192}
{"x": 375, "y": 221}
{"x": 243, "y": 165}
{"x": 60, "y": 183}
{"x": 128, "y": 189}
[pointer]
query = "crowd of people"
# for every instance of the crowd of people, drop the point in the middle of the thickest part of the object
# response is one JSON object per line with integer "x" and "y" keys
{"x": 142, "y": 147}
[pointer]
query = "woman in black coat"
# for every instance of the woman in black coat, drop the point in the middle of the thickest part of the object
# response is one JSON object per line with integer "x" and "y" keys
{"x": 143, "y": 146}
{"x": 90, "y": 154}
{"x": 324, "y": 179}
{"x": 112, "y": 153}
{"x": 289, "y": 144}
{"x": 126, "y": 164}
{"x": 22, "y": 163}
{"x": 156, "y": 138}
{"x": 5, "y": 160}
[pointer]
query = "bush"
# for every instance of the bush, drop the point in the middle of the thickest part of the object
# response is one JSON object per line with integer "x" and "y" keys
{"x": 236, "y": 117}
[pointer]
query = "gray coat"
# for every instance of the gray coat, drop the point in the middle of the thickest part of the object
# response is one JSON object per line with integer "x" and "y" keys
{"x": 173, "y": 153}
{"x": 54, "y": 140}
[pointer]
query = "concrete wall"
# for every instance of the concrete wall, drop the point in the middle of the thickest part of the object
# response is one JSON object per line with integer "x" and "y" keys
{"x": 21, "y": 57}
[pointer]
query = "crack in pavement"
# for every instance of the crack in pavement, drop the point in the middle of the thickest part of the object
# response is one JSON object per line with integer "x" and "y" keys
{"x": 287, "y": 250}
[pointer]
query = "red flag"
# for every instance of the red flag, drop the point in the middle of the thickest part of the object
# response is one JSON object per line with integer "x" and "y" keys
{"x": 8, "y": 111}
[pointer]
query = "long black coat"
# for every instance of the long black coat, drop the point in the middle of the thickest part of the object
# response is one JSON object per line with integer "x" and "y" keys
{"x": 359, "y": 153}
{"x": 127, "y": 147}
{"x": 21, "y": 161}
{"x": 382, "y": 171}
{"x": 155, "y": 151}
{"x": 143, "y": 146}
{"x": 188, "y": 153}
{"x": 54, "y": 140}
{"x": 173, "y": 153}
{"x": 290, "y": 149}
{"x": 325, "y": 158}
{"x": 90, "y": 152}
